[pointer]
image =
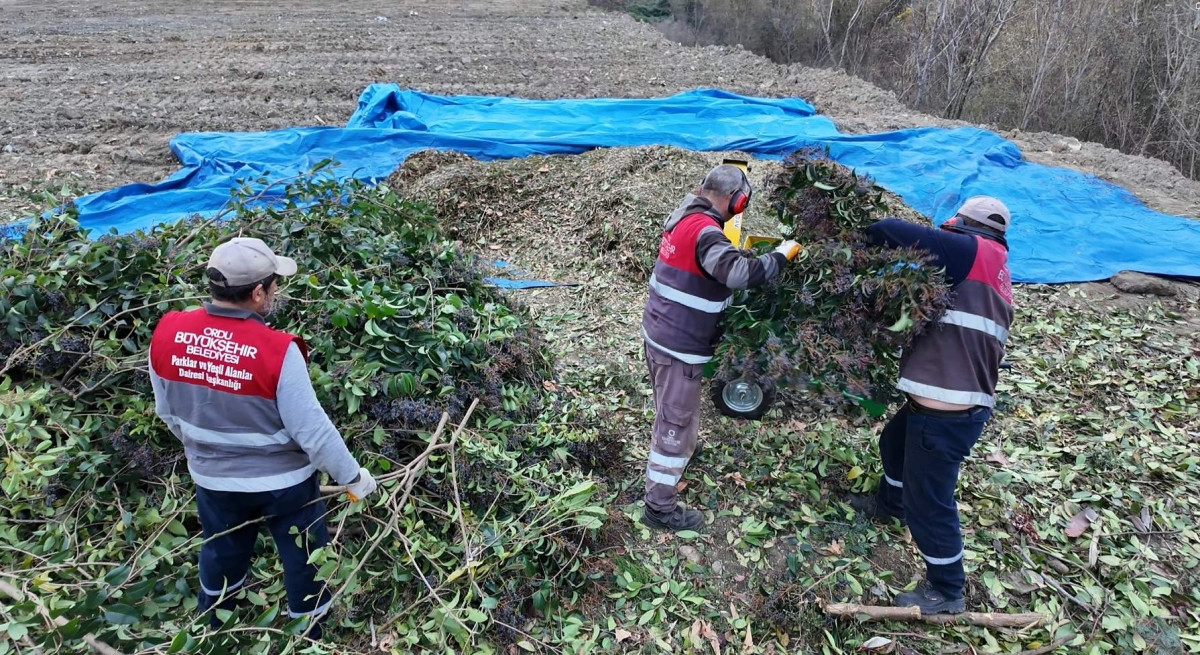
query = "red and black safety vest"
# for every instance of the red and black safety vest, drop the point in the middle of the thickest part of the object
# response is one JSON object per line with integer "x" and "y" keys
{"x": 958, "y": 361}
{"x": 684, "y": 310}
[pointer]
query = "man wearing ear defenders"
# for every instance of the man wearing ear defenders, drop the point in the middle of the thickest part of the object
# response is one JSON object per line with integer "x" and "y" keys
{"x": 691, "y": 287}
{"x": 949, "y": 375}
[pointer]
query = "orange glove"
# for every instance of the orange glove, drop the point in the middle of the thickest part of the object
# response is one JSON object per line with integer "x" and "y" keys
{"x": 789, "y": 249}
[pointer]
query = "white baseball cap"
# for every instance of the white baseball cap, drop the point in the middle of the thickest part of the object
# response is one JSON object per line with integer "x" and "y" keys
{"x": 988, "y": 211}
{"x": 243, "y": 261}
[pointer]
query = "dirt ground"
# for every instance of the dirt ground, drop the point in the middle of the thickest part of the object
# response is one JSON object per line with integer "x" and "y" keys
{"x": 91, "y": 92}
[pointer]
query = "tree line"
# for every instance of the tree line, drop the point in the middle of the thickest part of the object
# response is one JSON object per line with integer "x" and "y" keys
{"x": 1125, "y": 73}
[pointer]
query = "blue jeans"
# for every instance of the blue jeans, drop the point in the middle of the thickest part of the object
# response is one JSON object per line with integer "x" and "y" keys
{"x": 921, "y": 451}
{"x": 225, "y": 560}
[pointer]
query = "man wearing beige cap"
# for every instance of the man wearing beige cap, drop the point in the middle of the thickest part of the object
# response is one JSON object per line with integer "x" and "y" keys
{"x": 949, "y": 377}
{"x": 238, "y": 395}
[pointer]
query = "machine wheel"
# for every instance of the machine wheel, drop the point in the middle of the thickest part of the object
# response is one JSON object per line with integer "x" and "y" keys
{"x": 744, "y": 397}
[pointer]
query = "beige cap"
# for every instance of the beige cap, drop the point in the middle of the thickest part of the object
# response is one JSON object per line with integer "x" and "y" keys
{"x": 244, "y": 261}
{"x": 988, "y": 211}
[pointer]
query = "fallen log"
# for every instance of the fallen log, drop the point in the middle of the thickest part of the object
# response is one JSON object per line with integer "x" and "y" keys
{"x": 881, "y": 613}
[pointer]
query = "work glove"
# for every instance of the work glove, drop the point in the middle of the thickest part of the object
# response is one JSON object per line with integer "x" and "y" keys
{"x": 364, "y": 485}
{"x": 788, "y": 249}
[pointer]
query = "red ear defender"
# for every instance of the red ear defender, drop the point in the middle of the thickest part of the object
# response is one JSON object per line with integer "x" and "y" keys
{"x": 738, "y": 202}
{"x": 740, "y": 198}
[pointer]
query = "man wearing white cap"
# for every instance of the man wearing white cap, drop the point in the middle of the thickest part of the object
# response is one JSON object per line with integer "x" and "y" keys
{"x": 949, "y": 376}
{"x": 238, "y": 395}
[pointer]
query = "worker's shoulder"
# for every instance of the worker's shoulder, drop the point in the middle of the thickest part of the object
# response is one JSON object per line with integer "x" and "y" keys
{"x": 699, "y": 228}
{"x": 963, "y": 244}
{"x": 699, "y": 218}
{"x": 892, "y": 223}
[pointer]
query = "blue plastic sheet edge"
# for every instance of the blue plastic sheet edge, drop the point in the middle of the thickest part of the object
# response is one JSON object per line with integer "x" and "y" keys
{"x": 1068, "y": 226}
{"x": 506, "y": 283}
{"x": 509, "y": 283}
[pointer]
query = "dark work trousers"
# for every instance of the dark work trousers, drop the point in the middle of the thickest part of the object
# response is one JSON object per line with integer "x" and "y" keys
{"x": 676, "y": 424}
{"x": 225, "y": 561}
{"x": 921, "y": 451}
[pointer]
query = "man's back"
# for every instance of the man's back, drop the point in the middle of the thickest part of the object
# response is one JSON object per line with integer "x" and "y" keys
{"x": 955, "y": 364}
{"x": 226, "y": 385}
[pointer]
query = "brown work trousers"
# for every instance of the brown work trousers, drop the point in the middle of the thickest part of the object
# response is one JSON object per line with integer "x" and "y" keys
{"x": 676, "y": 425}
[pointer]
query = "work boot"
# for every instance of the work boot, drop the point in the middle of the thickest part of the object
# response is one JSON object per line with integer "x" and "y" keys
{"x": 930, "y": 600}
{"x": 869, "y": 507}
{"x": 680, "y": 518}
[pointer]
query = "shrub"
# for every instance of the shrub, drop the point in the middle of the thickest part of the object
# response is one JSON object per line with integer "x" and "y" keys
{"x": 400, "y": 327}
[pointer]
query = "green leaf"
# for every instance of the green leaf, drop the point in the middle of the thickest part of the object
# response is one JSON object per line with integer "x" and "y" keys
{"x": 904, "y": 323}
{"x": 117, "y": 576}
{"x": 121, "y": 614}
{"x": 267, "y": 618}
{"x": 296, "y": 626}
{"x": 1113, "y": 624}
{"x": 71, "y": 630}
{"x": 182, "y": 642}
{"x": 580, "y": 491}
{"x": 17, "y": 631}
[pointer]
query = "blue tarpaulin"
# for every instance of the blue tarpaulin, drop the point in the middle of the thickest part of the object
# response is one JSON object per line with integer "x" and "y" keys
{"x": 1068, "y": 226}
{"x": 505, "y": 281}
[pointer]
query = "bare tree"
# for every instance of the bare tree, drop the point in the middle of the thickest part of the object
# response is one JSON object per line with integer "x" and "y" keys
{"x": 1124, "y": 72}
{"x": 1047, "y": 20}
{"x": 982, "y": 24}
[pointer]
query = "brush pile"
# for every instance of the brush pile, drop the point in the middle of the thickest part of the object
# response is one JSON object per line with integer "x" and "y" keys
{"x": 403, "y": 334}
{"x": 832, "y": 326}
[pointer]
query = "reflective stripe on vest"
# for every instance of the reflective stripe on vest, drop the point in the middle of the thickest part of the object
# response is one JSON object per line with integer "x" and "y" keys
{"x": 945, "y": 395}
{"x": 215, "y": 438}
{"x": 683, "y": 357}
{"x": 976, "y": 322}
{"x": 245, "y": 484}
{"x": 688, "y": 300}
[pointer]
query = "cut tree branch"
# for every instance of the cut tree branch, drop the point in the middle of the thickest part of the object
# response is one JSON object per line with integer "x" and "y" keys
{"x": 881, "y": 613}
{"x": 412, "y": 473}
